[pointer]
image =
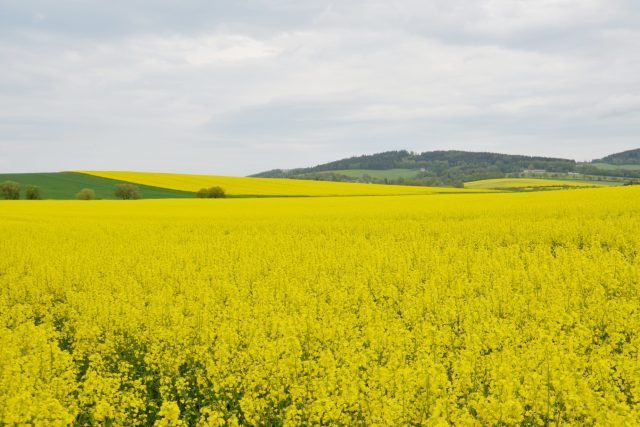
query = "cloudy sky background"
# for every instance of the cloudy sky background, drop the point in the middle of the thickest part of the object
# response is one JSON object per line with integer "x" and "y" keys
{"x": 238, "y": 87}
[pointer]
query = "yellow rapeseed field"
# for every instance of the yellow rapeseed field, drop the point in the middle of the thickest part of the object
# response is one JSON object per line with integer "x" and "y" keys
{"x": 241, "y": 186}
{"x": 473, "y": 309}
{"x": 510, "y": 183}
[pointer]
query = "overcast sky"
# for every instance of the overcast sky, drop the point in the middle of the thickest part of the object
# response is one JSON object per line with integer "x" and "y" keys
{"x": 238, "y": 87}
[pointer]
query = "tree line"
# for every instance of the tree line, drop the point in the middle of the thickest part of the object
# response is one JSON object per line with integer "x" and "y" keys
{"x": 11, "y": 190}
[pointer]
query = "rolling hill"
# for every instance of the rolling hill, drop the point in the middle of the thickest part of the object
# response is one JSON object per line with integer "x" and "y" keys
{"x": 65, "y": 185}
{"x": 630, "y": 157}
{"x": 265, "y": 187}
{"x": 412, "y": 173}
{"x": 625, "y": 164}
{"x": 431, "y": 168}
{"x": 454, "y": 168}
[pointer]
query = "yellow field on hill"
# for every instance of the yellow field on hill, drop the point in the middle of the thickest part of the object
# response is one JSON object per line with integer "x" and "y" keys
{"x": 242, "y": 186}
{"x": 478, "y": 309}
{"x": 525, "y": 183}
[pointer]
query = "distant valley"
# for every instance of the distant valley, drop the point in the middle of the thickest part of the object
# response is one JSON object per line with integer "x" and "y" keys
{"x": 455, "y": 168}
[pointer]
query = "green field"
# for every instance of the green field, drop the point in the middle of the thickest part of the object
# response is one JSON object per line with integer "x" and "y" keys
{"x": 609, "y": 166}
{"x": 376, "y": 173}
{"x": 65, "y": 185}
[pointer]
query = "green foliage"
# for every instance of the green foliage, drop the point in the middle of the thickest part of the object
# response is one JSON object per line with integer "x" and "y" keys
{"x": 625, "y": 165}
{"x": 33, "y": 192}
{"x": 217, "y": 192}
{"x": 126, "y": 191}
{"x": 211, "y": 193}
{"x": 86, "y": 194}
{"x": 10, "y": 190}
{"x": 630, "y": 157}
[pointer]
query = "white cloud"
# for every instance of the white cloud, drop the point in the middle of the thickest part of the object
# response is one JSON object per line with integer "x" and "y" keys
{"x": 227, "y": 49}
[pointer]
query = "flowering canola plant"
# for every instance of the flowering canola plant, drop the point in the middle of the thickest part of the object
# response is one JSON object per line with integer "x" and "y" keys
{"x": 470, "y": 309}
{"x": 511, "y": 183}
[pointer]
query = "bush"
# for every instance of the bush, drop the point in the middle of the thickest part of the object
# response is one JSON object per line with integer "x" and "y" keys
{"x": 86, "y": 194}
{"x": 10, "y": 190}
{"x": 211, "y": 193}
{"x": 33, "y": 193}
{"x": 126, "y": 192}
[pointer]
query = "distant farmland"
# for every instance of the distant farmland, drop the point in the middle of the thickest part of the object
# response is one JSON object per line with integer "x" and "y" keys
{"x": 374, "y": 173}
{"x": 610, "y": 166}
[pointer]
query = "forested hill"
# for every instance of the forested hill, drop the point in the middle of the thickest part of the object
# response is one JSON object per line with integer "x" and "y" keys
{"x": 631, "y": 157}
{"x": 435, "y": 159}
{"x": 433, "y": 167}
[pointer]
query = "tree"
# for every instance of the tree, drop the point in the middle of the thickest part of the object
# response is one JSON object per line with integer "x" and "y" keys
{"x": 33, "y": 193}
{"x": 217, "y": 192}
{"x": 211, "y": 193}
{"x": 126, "y": 191}
{"x": 10, "y": 190}
{"x": 86, "y": 194}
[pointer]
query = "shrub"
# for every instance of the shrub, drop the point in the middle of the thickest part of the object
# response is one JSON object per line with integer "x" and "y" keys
{"x": 211, "y": 193}
{"x": 10, "y": 190}
{"x": 86, "y": 194}
{"x": 33, "y": 193}
{"x": 126, "y": 191}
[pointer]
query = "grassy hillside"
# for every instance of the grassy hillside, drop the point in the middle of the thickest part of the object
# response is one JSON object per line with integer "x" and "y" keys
{"x": 240, "y": 186}
{"x": 526, "y": 184}
{"x": 65, "y": 185}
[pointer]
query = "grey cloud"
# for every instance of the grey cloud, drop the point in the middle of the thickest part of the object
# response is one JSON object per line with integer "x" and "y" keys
{"x": 105, "y": 19}
{"x": 239, "y": 87}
